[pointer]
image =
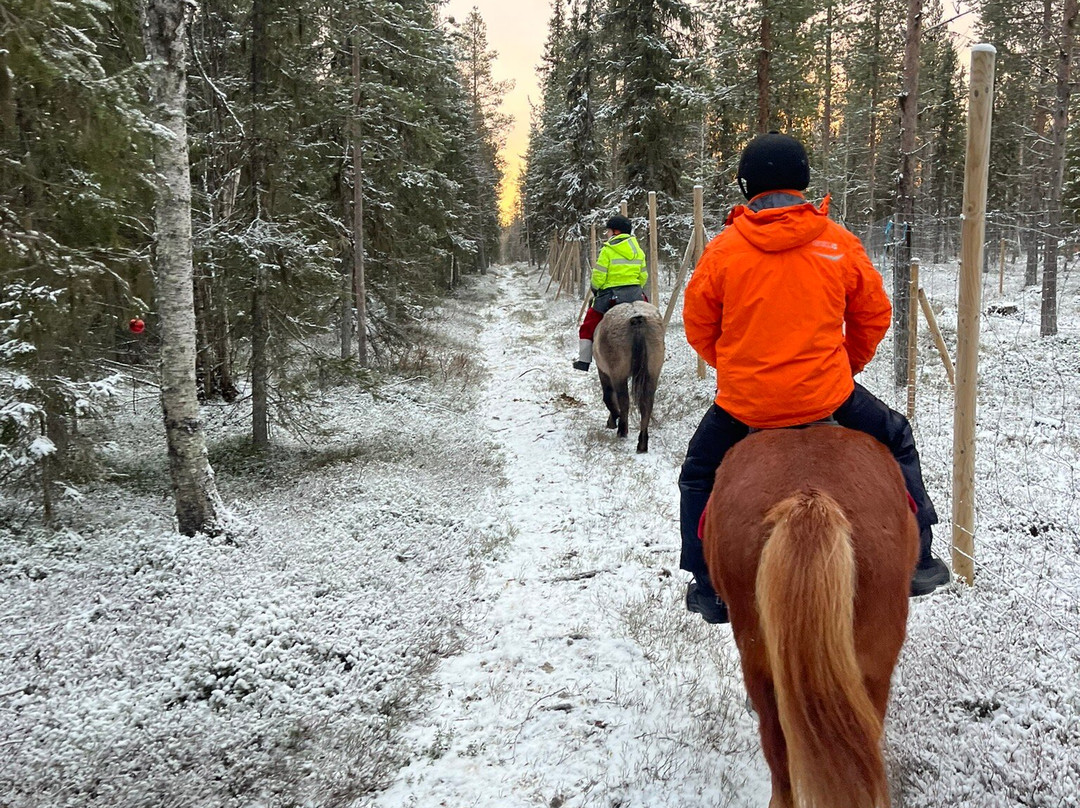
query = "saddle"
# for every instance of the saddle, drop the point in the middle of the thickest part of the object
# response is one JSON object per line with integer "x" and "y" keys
{"x": 828, "y": 421}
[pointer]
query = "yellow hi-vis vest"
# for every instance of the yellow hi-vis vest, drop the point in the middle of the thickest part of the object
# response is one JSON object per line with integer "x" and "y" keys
{"x": 621, "y": 263}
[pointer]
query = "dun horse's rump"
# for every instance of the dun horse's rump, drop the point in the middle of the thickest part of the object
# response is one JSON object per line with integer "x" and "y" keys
{"x": 809, "y": 540}
{"x": 629, "y": 345}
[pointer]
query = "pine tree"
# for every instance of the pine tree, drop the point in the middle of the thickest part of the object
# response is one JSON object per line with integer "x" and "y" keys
{"x": 484, "y": 93}
{"x": 1066, "y": 40}
{"x": 1017, "y": 140}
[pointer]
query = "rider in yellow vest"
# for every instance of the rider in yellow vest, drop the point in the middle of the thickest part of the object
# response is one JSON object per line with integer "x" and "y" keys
{"x": 618, "y": 277}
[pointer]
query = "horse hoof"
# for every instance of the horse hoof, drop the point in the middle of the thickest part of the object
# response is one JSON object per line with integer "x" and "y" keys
{"x": 611, "y": 423}
{"x": 642, "y": 444}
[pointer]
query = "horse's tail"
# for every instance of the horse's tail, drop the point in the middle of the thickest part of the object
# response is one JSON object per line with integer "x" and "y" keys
{"x": 805, "y": 597}
{"x": 643, "y": 384}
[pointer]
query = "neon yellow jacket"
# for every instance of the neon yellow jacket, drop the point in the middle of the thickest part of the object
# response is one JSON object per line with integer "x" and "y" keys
{"x": 621, "y": 263}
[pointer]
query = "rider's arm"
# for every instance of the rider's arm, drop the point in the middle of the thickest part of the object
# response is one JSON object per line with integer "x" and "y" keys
{"x": 868, "y": 312}
{"x": 600, "y": 271}
{"x": 703, "y": 307}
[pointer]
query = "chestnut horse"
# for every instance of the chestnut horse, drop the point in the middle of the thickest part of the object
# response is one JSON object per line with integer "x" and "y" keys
{"x": 629, "y": 344}
{"x": 811, "y": 543}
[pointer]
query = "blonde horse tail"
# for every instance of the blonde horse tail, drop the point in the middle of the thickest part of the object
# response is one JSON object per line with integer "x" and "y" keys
{"x": 806, "y": 597}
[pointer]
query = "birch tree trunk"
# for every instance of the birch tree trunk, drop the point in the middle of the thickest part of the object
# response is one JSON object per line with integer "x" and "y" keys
{"x": 198, "y": 506}
{"x": 905, "y": 193}
{"x": 1048, "y": 325}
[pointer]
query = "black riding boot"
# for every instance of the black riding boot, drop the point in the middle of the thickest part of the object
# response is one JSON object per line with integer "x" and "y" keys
{"x": 930, "y": 572}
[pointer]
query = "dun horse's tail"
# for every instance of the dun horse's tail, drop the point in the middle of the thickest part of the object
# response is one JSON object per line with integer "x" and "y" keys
{"x": 644, "y": 385}
{"x": 805, "y": 596}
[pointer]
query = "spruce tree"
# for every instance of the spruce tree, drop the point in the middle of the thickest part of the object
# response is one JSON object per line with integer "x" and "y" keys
{"x": 647, "y": 111}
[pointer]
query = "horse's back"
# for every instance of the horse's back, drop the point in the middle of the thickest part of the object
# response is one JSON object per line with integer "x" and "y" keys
{"x": 619, "y": 317}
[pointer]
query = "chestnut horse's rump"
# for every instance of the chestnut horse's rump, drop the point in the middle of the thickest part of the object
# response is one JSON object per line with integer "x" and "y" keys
{"x": 809, "y": 539}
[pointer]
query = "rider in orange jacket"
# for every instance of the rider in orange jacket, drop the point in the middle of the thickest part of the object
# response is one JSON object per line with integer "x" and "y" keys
{"x": 787, "y": 307}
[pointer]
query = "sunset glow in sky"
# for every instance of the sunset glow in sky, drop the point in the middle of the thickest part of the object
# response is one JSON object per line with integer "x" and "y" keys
{"x": 516, "y": 31}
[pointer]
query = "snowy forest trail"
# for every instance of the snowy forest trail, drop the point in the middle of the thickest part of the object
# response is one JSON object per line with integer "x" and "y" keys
{"x": 583, "y": 681}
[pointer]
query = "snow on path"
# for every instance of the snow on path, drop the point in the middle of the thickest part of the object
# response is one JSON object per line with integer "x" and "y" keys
{"x": 583, "y": 681}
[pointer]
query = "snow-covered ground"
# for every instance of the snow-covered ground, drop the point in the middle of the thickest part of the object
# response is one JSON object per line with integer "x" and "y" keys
{"x": 464, "y": 591}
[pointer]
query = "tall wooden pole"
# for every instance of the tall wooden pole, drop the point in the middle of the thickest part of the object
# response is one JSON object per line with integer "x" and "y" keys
{"x": 654, "y": 251}
{"x": 699, "y": 247}
{"x": 973, "y": 230}
{"x": 622, "y": 208}
{"x": 913, "y": 335}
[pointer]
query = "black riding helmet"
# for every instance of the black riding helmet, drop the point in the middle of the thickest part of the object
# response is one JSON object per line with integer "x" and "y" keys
{"x": 620, "y": 223}
{"x": 773, "y": 162}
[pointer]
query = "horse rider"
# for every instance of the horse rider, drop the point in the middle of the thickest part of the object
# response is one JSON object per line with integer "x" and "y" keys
{"x": 618, "y": 277}
{"x": 787, "y": 307}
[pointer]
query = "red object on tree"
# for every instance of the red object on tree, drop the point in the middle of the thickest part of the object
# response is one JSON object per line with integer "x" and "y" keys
{"x": 136, "y": 325}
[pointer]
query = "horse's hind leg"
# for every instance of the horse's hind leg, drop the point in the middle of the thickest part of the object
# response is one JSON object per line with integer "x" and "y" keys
{"x": 645, "y": 406}
{"x": 609, "y": 399}
{"x": 772, "y": 740}
{"x": 622, "y": 398}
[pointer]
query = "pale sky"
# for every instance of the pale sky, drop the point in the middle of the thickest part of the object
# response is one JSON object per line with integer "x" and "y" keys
{"x": 516, "y": 30}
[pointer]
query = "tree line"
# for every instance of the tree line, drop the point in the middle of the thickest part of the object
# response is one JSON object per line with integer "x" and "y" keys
{"x": 333, "y": 167}
{"x": 660, "y": 95}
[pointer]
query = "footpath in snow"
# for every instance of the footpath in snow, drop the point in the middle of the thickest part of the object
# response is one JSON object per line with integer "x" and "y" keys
{"x": 451, "y": 587}
{"x": 583, "y": 681}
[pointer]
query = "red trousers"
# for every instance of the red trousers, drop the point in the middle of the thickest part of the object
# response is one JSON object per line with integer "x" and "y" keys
{"x": 589, "y": 324}
{"x": 593, "y": 318}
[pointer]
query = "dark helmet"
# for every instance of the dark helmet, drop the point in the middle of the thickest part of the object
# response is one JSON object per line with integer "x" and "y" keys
{"x": 773, "y": 162}
{"x": 620, "y": 223}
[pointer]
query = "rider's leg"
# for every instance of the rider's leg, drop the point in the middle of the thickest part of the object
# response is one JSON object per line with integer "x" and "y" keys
{"x": 585, "y": 338}
{"x": 716, "y": 433}
{"x": 867, "y": 413}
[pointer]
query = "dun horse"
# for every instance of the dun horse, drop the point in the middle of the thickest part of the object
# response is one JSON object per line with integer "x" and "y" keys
{"x": 629, "y": 344}
{"x": 810, "y": 541}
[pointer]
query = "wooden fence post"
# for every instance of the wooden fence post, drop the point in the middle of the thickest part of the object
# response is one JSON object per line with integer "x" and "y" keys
{"x": 935, "y": 332}
{"x": 913, "y": 335}
{"x": 654, "y": 252}
{"x": 699, "y": 248}
{"x": 972, "y": 233}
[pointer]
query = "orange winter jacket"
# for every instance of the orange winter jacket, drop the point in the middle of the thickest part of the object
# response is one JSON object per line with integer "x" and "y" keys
{"x": 787, "y": 307}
